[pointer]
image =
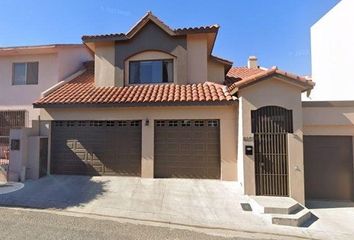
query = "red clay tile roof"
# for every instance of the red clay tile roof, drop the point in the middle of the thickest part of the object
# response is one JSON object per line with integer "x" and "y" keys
{"x": 200, "y": 29}
{"x": 81, "y": 90}
{"x": 244, "y": 77}
{"x": 150, "y": 16}
{"x": 243, "y": 72}
{"x": 177, "y": 31}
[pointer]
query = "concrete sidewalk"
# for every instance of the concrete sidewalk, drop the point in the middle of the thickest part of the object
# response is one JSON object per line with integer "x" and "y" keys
{"x": 204, "y": 203}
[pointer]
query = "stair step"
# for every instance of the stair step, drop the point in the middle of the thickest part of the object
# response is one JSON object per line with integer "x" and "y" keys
{"x": 274, "y": 205}
{"x": 295, "y": 220}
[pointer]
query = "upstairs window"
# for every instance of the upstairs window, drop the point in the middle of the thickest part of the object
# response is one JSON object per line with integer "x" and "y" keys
{"x": 25, "y": 73}
{"x": 151, "y": 71}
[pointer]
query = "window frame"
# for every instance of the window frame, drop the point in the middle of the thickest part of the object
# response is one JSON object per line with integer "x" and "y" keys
{"x": 170, "y": 60}
{"x": 27, "y": 82}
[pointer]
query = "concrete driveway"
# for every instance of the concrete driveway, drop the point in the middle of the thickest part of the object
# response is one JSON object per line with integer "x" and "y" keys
{"x": 204, "y": 203}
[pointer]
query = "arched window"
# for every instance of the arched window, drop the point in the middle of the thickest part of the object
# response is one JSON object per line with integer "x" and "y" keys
{"x": 150, "y": 67}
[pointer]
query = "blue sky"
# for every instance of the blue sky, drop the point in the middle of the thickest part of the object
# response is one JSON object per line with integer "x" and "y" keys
{"x": 276, "y": 31}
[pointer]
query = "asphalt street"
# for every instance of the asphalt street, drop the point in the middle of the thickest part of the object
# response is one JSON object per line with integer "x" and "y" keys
{"x": 27, "y": 224}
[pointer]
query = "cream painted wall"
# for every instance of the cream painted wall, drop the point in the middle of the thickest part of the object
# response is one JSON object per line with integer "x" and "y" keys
{"x": 328, "y": 116}
{"x": 197, "y": 58}
{"x": 226, "y": 114}
{"x": 105, "y": 72}
{"x": 216, "y": 72}
{"x": 149, "y": 55}
{"x": 21, "y": 97}
{"x": 71, "y": 59}
{"x": 53, "y": 68}
{"x": 332, "y": 51}
{"x": 267, "y": 93}
{"x": 331, "y": 120}
{"x": 26, "y": 160}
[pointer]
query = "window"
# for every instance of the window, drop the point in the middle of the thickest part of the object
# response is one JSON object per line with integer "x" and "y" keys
{"x": 199, "y": 123}
{"x": 135, "y": 123}
{"x": 110, "y": 123}
{"x": 160, "y": 123}
{"x": 151, "y": 71}
{"x": 81, "y": 123}
{"x": 173, "y": 123}
{"x": 96, "y": 123}
{"x": 186, "y": 123}
{"x": 70, "y": 123}
{"x": 122, "y": 123}
{"x": 25, "y": 73}
{"x": 212, "y": 123}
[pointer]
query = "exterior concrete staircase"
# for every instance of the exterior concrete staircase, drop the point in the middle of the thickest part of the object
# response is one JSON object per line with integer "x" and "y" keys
{"x": 280, "y": 210}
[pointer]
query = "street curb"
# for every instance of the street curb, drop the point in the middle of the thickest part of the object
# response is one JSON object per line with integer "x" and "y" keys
{"x": 146, "y": 221}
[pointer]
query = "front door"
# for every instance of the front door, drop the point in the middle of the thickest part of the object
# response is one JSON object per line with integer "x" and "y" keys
{"x": 270, "y": 126}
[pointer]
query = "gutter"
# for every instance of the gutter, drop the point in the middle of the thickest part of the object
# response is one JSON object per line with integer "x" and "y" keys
{"x": 140, "y": 104}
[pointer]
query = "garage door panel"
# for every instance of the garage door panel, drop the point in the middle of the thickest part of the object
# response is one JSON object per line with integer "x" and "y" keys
{"x": 96, "y": 148}
{"x": 328, "y": 167}
{"x": 183, "y": 148}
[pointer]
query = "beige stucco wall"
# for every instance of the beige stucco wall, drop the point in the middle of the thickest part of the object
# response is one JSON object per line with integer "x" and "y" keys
{"x": 226, "y": 114}
{"x": 216, "y": 72}
{"x": 267, "y": 93}
{"x": 197, "y": 58}
{"x": 105, "y": 72}
{"x": 331, "y": 120}
{"x": 150, "y": 55}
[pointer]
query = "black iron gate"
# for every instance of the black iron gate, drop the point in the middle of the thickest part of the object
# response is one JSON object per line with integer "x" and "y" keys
{"x": 270, "y": 126}
{"x": 9, "y": 120}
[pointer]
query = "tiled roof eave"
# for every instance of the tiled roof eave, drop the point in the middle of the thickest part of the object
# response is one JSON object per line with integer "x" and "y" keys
{"x": 265, "y": 74}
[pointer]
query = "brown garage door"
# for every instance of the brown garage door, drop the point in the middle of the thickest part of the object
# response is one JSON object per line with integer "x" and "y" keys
{"x": 96, "y": 148}
{"x": 187, "y": 149}
{"x": 328, "y": 167}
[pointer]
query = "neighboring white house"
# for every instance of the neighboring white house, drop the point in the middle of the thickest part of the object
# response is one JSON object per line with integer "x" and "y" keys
{"x": 25, "y": 72}
{"x": 332, "y": 49}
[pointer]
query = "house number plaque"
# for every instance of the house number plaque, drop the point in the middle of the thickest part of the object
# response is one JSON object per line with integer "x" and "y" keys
{"x": 248, "y": 139}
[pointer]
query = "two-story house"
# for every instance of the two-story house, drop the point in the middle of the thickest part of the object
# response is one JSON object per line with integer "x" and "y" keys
{"x": 156, "y": 103}
{"x": 27, "y": 71}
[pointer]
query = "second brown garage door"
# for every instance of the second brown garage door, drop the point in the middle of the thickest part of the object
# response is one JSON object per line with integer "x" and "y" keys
{"x": 328, "y": 164}
{"x": 187, "y": 149}
{"x": 96, "y": 148}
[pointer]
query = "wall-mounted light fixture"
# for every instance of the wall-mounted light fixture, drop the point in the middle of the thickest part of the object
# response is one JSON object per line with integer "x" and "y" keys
{"x": 147, "y": 122}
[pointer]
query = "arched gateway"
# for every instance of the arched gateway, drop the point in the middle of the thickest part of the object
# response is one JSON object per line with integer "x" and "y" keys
{"x": 270, "y": 126}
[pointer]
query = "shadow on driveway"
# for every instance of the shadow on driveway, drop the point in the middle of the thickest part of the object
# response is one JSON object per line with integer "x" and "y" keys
{"x": 56, "y": 192}
{"x": 318, "y": 204}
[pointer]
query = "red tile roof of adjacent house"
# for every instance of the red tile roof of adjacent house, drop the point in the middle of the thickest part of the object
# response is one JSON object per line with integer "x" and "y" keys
{"x": 243, "y": 72}
{"x": 82, "y": 90}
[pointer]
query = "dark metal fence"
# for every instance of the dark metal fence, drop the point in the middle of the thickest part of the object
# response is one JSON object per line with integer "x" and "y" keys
{"x": 12, "y": 119}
